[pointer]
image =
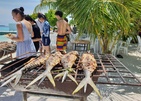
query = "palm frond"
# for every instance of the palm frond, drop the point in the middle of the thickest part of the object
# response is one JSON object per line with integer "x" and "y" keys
{"x": 44, "y": 4}
{"x": 102, "y": 18}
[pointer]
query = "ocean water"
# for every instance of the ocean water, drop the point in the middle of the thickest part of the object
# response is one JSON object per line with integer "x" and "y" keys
{"x": 3, "y": 37}
{"x": 4, "y": 29}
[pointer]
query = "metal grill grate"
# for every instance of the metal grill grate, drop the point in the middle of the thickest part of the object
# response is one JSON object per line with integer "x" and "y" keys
{"x": 112, "y": 71}
{"x": 109, "y": 71}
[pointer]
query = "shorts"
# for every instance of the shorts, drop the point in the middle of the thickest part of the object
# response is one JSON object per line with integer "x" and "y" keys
{"x": 61, "y": 42}
{"x": 46, "y": 41}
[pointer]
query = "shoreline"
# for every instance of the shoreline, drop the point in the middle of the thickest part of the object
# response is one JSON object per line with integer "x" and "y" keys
{"x": 6, "y": 32}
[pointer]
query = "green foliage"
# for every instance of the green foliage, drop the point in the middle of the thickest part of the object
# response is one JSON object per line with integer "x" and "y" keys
{"x": 34, "y": 16}
{"x": 72, "y": 22}
{"x": 108, "y": 20}
{"x": 45, "y": 4}
{"x": 51, "y": 17}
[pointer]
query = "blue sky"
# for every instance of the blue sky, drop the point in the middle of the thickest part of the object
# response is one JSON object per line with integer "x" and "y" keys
{"x": 6, "y": 7}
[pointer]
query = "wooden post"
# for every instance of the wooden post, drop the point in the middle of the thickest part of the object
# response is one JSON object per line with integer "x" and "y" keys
{"x": 11, "y": 56}
{"x": 24, "y": 96}
{"x": 83, "y": 99}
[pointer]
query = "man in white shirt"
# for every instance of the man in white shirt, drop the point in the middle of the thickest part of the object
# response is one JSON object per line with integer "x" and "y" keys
{"x": 40, "y": 24}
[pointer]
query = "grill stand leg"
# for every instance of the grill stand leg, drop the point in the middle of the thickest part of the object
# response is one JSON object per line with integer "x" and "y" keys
{"x": 24, "y": 96}
{"x": 83, "y": 99}
{"x": 11, "y": 56}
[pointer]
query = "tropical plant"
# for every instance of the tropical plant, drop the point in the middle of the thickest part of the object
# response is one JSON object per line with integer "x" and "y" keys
{"x": 108, "y": 20}
{"x": 134, "y": 8}
{"x": 51, "y": 17}
{"x": 44, "y": 4}
{"x": 72, "y": 22}
{"x": 34, "y": 16}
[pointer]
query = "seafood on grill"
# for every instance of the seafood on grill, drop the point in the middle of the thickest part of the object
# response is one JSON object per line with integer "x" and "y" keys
{"x": 7, "y": 48}
{"x": 32, "y": 63}
{"x": 5, "y": 45}
{"x": 88, "y": 64}
{"x": 67, "y": 62}
{"x": 52, "y": 61}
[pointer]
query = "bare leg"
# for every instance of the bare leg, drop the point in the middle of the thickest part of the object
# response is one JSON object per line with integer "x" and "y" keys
{"x": 47, "y": 49}
{"x": 41, "y": 50}
{"x": 41, "y": 47}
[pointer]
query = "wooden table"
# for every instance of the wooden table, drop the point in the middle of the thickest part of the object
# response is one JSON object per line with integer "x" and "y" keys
{"x": 83, "y": 45}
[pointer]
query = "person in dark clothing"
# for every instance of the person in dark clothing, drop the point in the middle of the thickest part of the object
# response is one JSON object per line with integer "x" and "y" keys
{"x": 139, "y": 33}
{"x": 36, "y": 30}
{"x": 37, "y": 36}
{"x": 74, "y": 30}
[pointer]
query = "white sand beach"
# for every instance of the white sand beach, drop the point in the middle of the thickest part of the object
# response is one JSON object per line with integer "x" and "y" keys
{"x": 109, "y": 92}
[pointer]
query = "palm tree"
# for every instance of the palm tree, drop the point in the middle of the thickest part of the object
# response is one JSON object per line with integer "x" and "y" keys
{"x": 108, "y": 20}
{"x": 44, "y": 4}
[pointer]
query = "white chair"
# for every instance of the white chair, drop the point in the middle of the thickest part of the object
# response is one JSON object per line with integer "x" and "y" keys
{"x": 113, "y": 47}
{"x": 96, "y": 46}
{"x": 114, "y": 50}
{"x": 72, "y": 39}
{"x": 139, "y": 44}
{"x": 124, "y": 45}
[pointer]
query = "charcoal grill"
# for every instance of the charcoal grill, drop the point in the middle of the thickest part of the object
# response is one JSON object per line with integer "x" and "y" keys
{"x": 109, "y": 68}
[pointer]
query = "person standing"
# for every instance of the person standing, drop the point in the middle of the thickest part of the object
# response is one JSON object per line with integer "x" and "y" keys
{"x": 24, "y": 33}
{"x": 40, "y": 25}
{"x": 62, "y": 29}
{"x": 74, "y": 29}
{"x": 45, "y": 34}
{"x": 36, "y": 30}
